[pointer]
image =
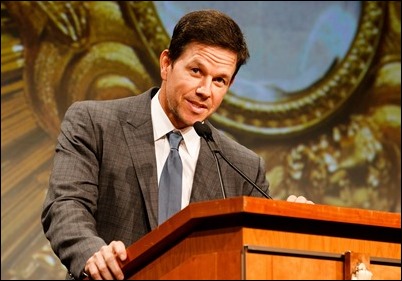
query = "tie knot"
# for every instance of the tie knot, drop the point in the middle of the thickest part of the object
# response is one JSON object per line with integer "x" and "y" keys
{"x": 174, "y": 139}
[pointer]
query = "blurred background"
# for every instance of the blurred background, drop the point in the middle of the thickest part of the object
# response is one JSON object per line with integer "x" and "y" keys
{"x": 320, "y": 98}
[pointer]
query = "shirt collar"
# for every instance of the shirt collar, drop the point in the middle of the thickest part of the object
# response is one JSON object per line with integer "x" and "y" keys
{"x": 160, "y": 121}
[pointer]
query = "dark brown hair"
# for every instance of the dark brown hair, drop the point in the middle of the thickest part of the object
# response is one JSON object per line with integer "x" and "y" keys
{"x": 209, "y": 27}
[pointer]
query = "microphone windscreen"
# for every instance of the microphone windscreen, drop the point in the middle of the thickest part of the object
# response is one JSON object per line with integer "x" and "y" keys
{"x": 202, "y": 129}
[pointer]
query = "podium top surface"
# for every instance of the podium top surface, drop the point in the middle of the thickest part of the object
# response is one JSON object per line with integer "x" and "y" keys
{"x": 277, "y": 215}
{"x": 262, "y": 206}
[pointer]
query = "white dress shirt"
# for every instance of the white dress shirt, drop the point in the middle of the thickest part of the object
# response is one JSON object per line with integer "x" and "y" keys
{"x": 189, "y": 148}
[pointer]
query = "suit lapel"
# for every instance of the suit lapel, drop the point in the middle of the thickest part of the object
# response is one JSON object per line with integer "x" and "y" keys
{"x": 139, "y": 135}
{"x": 206, "y": 185}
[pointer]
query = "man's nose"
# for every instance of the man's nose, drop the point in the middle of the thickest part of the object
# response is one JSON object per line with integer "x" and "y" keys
{"x": 205, "y": 87}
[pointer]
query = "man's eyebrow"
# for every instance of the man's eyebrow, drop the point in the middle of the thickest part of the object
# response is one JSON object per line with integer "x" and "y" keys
{"x": 201, "y": 64}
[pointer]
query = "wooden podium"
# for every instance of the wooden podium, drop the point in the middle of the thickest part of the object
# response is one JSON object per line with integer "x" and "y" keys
{"x": 255, "y": 238}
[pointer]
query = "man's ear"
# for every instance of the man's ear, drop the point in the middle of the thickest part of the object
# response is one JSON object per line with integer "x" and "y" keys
{"x": 164, "y": 63}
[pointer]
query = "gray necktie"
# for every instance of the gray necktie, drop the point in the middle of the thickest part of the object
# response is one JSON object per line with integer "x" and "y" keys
{"x": 171, "y": 180}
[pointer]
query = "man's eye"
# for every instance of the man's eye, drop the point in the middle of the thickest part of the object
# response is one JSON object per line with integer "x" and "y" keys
{"x": 220, "y": 80}
{"x": 196, "y": 70}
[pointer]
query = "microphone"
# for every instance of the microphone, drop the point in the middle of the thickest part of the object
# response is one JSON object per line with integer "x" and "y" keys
{"x": 204, "y": 131}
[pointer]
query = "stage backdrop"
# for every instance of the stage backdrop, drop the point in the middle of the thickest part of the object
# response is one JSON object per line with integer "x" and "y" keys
{"x": 320, "y": 98}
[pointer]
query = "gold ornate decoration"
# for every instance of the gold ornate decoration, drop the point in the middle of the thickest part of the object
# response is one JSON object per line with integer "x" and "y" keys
{"x": 350, "y": 167}
{"x": 76, "y": 51}
{"x": 314, "y": 105}
{"x": 144, "y": 20}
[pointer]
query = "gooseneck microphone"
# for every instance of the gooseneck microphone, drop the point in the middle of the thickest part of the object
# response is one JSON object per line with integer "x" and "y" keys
{"x": 204, "y": 131}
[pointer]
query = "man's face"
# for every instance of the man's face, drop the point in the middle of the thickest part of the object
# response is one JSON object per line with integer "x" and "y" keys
{"x": 194, "y": 86}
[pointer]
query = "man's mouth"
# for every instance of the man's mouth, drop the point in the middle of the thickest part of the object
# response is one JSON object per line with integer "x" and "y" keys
{"x": 197, "y": 107}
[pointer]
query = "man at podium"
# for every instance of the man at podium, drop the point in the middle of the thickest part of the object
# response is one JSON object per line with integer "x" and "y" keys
{"x": 105, "y": 189}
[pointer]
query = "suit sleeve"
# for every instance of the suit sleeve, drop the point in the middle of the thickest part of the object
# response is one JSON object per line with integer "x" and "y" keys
{"x": 68, "y": 215}
{"x": 261, "y": 180}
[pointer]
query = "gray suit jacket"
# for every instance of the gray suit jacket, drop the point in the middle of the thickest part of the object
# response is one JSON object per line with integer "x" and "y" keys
{"x": 103, "y": 185}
